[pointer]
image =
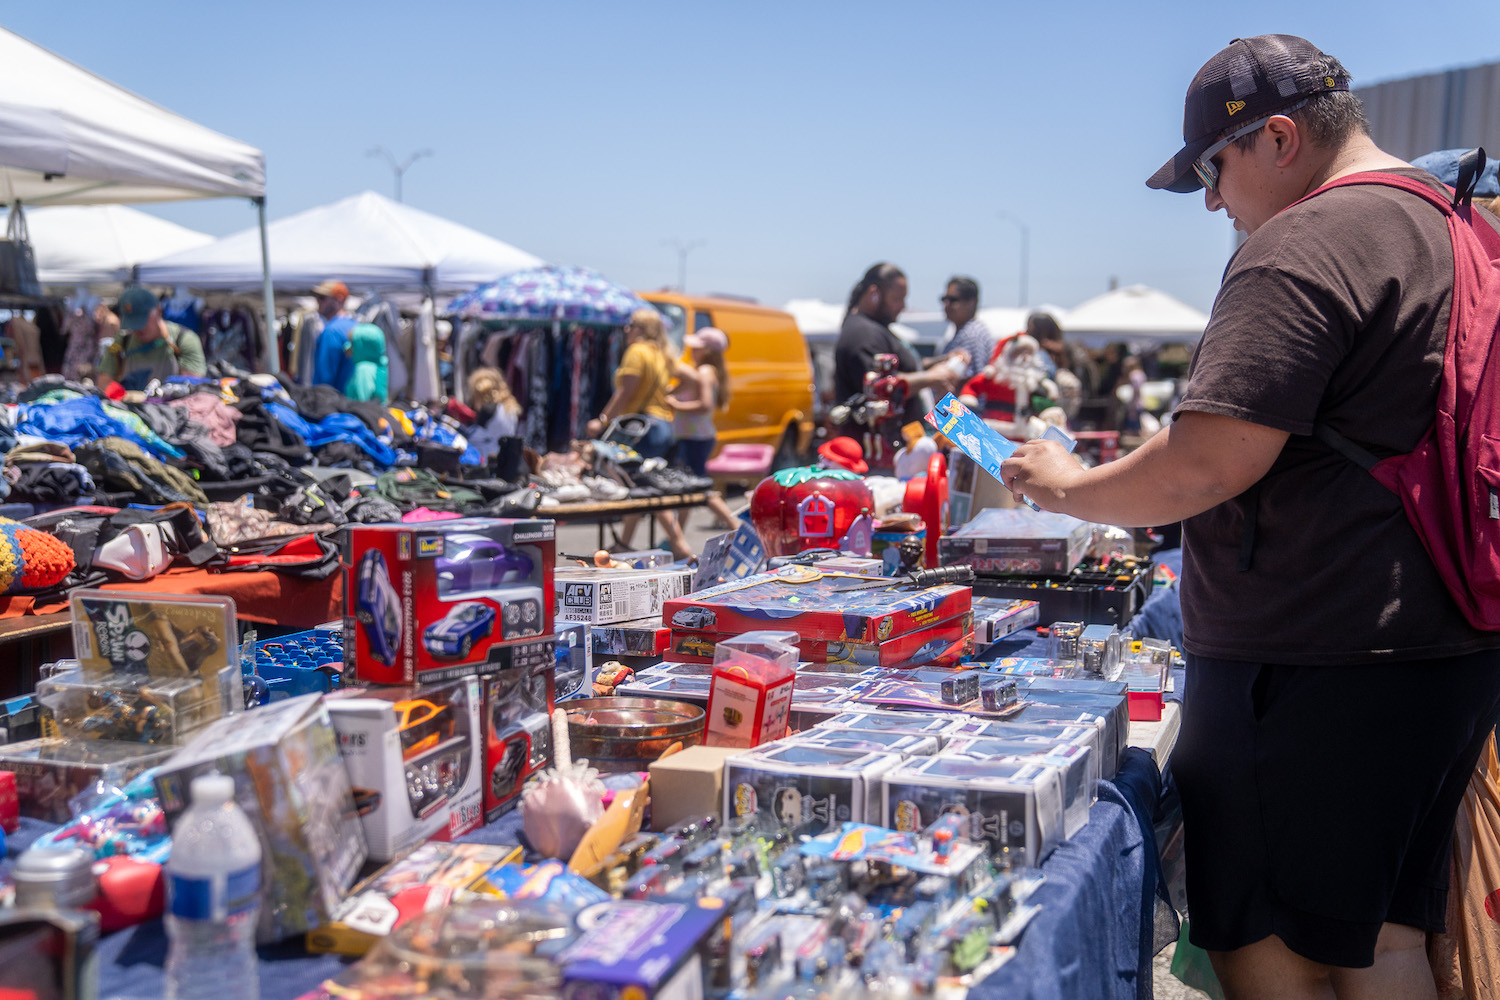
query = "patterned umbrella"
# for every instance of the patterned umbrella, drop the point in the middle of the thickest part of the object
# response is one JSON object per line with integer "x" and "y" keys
{"x": 568, "y": 294}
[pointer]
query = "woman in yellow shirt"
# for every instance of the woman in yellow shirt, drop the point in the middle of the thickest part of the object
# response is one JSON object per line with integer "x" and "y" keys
{"x": 641, "y": 384}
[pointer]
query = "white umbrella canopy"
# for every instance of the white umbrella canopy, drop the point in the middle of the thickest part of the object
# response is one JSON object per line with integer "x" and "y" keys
{"x": 1134, "y": 313}
{"x": 367, "y": 241}
{"x": 820, "y": 320}
{"x": 98, "y": 245}
{"x": 68, "y": 137}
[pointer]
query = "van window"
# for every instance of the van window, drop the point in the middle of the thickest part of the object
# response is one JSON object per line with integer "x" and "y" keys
{"x": 675, "y": 318}
{"x": 701, "y": 320}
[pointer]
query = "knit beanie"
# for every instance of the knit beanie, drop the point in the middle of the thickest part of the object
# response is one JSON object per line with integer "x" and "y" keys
{"x": 31, "y": 559}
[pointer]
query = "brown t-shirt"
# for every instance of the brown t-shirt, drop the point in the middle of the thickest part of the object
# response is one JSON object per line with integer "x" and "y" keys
{"x": 1334, "y": 311}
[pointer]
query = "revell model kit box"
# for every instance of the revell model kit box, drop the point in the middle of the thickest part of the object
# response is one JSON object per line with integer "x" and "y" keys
{"x": 442, "y": 599}
{"x": 817, "y": 605}
{"x": 415, "y": 757}
{"x": 606, "y": 596}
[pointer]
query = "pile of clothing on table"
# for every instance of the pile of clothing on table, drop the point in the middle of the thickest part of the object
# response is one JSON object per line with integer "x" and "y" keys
{"x": 257, "y": 461}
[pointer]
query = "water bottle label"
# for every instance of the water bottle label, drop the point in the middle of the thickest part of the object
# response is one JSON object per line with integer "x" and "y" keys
{"x": 216, "y": 897}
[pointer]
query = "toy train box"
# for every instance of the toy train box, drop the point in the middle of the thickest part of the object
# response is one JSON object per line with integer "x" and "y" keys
{"x": 817, "y": 605}
{"x": 414, "y": 757}
{"x": 942, "y": 644}
{"x": 443, "y": 599}
{"x": 808, "y": 789}
{"x": 1015, "y": 807}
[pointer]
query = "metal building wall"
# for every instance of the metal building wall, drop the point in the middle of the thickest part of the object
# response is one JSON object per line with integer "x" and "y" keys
{"x": 1456, "y": 109}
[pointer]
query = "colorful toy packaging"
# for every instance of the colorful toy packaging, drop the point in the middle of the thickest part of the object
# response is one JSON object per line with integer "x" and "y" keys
{"x": 442, "y": 599}
{"x": 818, "y": 605}
{"x": 750, "y": 693}
{"x": 606, "y": 596}
{"x": 415, "y": 758}
{"x": 516, "y": 706}
{"x": 574, "y": 658}
{"x": 798, "y": 787}
{"x": 638, "y": 950}
{"x": 292, "y": 783}
{"x": 940, "y": 644}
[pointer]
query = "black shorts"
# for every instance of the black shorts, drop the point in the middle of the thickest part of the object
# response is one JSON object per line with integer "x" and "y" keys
{"x": 1318, "y": 801}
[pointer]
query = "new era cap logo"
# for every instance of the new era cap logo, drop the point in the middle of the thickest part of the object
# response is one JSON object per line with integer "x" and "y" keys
{"x": 1234, "y": 106}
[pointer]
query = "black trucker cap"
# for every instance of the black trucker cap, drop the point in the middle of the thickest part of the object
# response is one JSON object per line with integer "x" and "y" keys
{"x": 1249, "y": 79}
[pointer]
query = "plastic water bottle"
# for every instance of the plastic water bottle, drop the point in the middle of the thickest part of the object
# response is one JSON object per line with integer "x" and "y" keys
{"x": 213, "y": 897}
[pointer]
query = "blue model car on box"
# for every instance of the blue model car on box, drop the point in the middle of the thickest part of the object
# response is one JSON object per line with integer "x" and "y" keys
{"x": 379, "y": 609}
{"x": 456, "y": 632}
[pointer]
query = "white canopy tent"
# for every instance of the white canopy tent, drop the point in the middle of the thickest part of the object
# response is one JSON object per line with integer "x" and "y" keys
{"x": 367, "y": 240}
{"x": 819, "y": 320}
{"x": 99, "y": 245}
{"x": 68, "y": 137}
{"x": 1134, "y": 314}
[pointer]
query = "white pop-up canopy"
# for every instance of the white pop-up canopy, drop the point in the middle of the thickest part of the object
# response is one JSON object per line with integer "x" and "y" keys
{"x": 1133, "y": 313}
{"x": 368, "y": 241}
{"x": 68, "y": 137}
{"x": 98, "y": 245}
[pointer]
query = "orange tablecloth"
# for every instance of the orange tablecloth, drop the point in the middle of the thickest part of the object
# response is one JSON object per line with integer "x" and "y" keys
{"x": 270, "y": 598}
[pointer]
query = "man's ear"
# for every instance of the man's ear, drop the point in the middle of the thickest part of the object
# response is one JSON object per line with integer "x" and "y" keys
{"x": 1288, "y": 139}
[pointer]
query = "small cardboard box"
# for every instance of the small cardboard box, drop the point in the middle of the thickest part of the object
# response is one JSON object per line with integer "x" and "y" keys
{"x": 291, "y": 781}
{"x": 415, "y": 758}
{"x": 688, "y": 783}
{"x": 443, "y": 599}
{"x": 605, "y": 596}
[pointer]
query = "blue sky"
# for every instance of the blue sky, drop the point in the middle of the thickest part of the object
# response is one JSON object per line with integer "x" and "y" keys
{"x": 800, "y": 141}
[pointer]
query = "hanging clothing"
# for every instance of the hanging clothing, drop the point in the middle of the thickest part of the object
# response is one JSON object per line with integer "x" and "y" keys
{"x": 82, "y": 352}
{"x": 368, "y": 379}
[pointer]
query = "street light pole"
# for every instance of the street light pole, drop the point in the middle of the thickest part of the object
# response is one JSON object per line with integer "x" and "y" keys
{"x": 683, "y": 247}
{"x": 398, "y": 168}
{"x": 1025, "y": 251}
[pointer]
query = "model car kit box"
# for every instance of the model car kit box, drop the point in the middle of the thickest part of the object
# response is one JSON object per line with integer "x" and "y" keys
{"x": 442, "y": 599}
{"x": 643, "y": 637}
{"x": 817, "y": 605}
{"x": 415, "y": 757}
{"x": 1016, "y": 807}
{"x": 1000, "y": 542}
{"x": 291, "y": 781}
{"x": 573, "y": 673}
{"x": 811, "y": 789}
{"x": 606, "y": 596}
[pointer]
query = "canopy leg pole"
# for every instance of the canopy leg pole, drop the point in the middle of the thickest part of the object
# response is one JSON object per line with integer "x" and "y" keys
{"x": 273, "y": 333}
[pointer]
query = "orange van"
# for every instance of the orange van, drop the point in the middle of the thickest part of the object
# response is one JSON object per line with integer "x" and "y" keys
{"x": 770, "y": 372}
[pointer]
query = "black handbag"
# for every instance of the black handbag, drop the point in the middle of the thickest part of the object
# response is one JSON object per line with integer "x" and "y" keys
{"x": 17, "y": 262}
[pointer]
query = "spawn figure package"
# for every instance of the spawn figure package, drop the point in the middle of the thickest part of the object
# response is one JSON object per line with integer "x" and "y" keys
{"x": 1016, "y": 807}
{"x": 291, "y": 781}
{"x": 427, "y": 878}
{"x": 798, "y": 787}
{"x": 817, "y": 605}
{"x": 441, "y": 599}
{"x": 151, "y": 669}
{"x": 941, "y": 644}
{"x": 606, "y": 596}
{"x": 414, "y": 757}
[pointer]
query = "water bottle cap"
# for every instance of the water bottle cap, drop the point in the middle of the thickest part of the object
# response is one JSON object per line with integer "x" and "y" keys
{"x": 212, "y": 789}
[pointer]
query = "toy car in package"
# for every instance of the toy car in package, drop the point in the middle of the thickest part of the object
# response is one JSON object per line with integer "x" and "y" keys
{"x": 446, "y": 598}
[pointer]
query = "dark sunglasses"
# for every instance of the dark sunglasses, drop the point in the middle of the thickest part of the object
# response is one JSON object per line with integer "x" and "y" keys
{"x": 949, "y": 300}
{"x": 1205, "y": 167}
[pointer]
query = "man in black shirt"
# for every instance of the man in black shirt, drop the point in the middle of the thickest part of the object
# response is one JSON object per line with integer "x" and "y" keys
{"x": 874, "y": 304}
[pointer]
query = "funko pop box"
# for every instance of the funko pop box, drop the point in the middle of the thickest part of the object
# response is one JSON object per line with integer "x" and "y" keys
{"x": 442, "y": 599}
{"x": 809, "y": 788}
{"x": 415, "y": 757}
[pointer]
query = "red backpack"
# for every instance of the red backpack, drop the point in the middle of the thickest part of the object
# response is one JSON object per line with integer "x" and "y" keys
{"x": 1450, "y": 483}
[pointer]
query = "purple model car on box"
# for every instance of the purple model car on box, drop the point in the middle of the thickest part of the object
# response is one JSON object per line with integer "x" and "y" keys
{"x": 474, "y": 564}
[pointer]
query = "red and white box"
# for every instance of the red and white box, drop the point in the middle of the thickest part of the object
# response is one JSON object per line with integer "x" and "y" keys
{"x": 442, "y": 599}
{"x": 750, "y": 691}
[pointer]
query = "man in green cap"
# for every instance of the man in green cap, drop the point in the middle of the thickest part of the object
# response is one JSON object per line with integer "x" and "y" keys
{"x": 148, "y": 347}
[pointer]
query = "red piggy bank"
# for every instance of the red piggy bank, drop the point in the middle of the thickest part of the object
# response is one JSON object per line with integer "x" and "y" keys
{"x": 807, "y": 508}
